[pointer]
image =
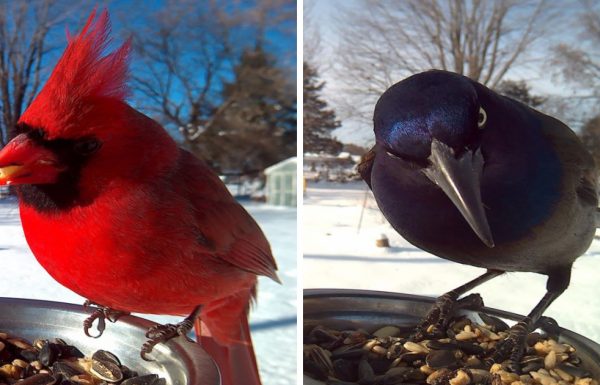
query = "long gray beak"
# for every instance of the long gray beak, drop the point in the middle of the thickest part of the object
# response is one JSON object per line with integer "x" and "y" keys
{"x": 460, "y": 180}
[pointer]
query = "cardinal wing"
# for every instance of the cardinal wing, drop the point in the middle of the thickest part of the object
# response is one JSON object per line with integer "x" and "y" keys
{"x": 227, "y": 230}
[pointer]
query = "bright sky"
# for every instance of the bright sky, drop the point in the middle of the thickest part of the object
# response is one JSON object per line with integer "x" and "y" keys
{"x": 539, "y": 75}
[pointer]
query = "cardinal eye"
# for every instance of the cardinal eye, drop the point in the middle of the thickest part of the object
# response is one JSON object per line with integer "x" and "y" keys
{"x": 482, "y": 118}
{"x": 87, "y": 146}
{"x": 36, "y": 134}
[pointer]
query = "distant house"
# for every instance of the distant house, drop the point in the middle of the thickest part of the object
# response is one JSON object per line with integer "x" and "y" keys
{"x": 281, "y": 183}
{"x": 333, "y": 168}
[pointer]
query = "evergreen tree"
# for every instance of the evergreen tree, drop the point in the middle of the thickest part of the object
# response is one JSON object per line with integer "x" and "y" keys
{"x": 520, "y": 91}
{"x": 590, "y": 136}
{"x": 255, "y": 126}
{"x": 319, "y": 120}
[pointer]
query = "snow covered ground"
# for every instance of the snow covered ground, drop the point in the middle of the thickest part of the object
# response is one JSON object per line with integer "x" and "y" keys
{"x": 273, "y": 320}
{"x": 339, "y": 254}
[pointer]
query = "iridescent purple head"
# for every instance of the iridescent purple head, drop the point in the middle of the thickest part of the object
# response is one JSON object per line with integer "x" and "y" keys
{"x": 433, "y": 119}
{"x": 433, "y": 104}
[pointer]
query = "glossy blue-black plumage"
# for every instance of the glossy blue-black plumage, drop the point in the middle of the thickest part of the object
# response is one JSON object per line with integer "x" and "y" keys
{"x": 478, "y": 178}
{"x": 407, "y": 129}
{"x": 537, "y": 183}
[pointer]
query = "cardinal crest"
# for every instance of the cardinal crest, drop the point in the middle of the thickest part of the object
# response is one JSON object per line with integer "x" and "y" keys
{"x": 82, "y": 77}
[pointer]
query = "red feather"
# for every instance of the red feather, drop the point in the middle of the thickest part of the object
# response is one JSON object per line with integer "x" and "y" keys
{"x": 81, "y": 75}
{"x": 153, "y": 229}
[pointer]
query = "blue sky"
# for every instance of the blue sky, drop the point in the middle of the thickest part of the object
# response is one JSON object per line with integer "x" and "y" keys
{"x": 127, "y": 15}
{"x": 282, "y": 45}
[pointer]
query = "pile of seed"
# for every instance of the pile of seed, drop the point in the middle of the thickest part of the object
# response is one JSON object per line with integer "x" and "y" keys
{"x": 387, "y": 357}
{"x": 55, "y": 362}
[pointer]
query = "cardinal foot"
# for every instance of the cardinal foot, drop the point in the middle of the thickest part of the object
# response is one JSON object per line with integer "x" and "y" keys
{"x": 100, "y": 313}
{"x": 436, "y": 321}
{"x": 512, "y": 347}
{"x": 162, "y": 333}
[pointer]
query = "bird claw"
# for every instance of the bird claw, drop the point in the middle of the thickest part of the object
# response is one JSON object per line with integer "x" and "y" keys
{"x": 162, "y": 333}
{"x": 471, "y": 302}
{"x": 437, "y": 318}
{"x": 100, "y": 313}
{"x": 549, "y": 326}
{"x": 435, "y": 323}
{"x": 511, "y": 348}
{"x": 89, "y": 322}
{"x": 159, "y": 331}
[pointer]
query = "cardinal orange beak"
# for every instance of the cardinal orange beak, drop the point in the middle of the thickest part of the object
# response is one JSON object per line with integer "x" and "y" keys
{"x": 22, "y": 161}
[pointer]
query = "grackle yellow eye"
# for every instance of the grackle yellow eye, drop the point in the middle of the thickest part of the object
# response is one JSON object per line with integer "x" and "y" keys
{"x": 482, "y": 118}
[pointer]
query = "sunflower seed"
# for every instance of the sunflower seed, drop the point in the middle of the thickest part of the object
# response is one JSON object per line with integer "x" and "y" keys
{"x": 39, "y": 379}
{"x": 438, "y": 359}
{"x": 415, "y": 348}
{"x": 106, "y": 370}
{"x": 387, "y": 331}
{"x": 104, "y": 355}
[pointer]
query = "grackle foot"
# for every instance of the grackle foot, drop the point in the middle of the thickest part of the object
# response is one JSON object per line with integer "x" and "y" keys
{"x": 512, "y": 348}
{"x": 549, "y": 326}
{"x": 437, "y": 318}
{"x": 100, "y": 313}
{"x": 435, "y": 323}
{"x": 163, "y": 333}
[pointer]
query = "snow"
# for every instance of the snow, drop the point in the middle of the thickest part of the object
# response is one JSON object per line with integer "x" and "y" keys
{"x": 337, "y": 254}
{"x": 272, "y": 321}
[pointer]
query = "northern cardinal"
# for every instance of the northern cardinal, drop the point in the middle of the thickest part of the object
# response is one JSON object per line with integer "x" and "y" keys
{"x": 116, "y": 212}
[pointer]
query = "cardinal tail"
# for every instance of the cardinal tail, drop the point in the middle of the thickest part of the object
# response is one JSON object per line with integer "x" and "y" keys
{"x": 236, "y": 360}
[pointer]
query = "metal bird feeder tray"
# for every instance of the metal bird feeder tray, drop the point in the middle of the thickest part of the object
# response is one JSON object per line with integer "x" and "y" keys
{"x": 179, "y": 361}
{"x": 342, "y": 309}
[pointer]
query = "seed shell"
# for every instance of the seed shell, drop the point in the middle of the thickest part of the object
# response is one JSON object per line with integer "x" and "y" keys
{"x": 106, "y": 370}
{"x": 459, "y": 355}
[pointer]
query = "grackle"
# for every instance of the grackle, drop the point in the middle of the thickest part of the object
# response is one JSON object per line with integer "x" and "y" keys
{"x": 481, "y": 179}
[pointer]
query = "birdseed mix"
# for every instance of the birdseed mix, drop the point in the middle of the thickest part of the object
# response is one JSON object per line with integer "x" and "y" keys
{"x": 55, "y": 362}
{"x": 387, "y": 357}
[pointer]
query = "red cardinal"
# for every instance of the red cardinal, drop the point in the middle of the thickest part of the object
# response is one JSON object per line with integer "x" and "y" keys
{"x": 116, "y": 212}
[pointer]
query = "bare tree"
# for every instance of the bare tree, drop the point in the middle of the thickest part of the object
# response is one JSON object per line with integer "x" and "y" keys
{"x": 24, "y": 44}
{"x": 185, "y": 47}
{"x": 312, "y": 36}
{"x": 385, "y": 41}
{"x": 190, "y": 48}
{"x": 581, "y": 64}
